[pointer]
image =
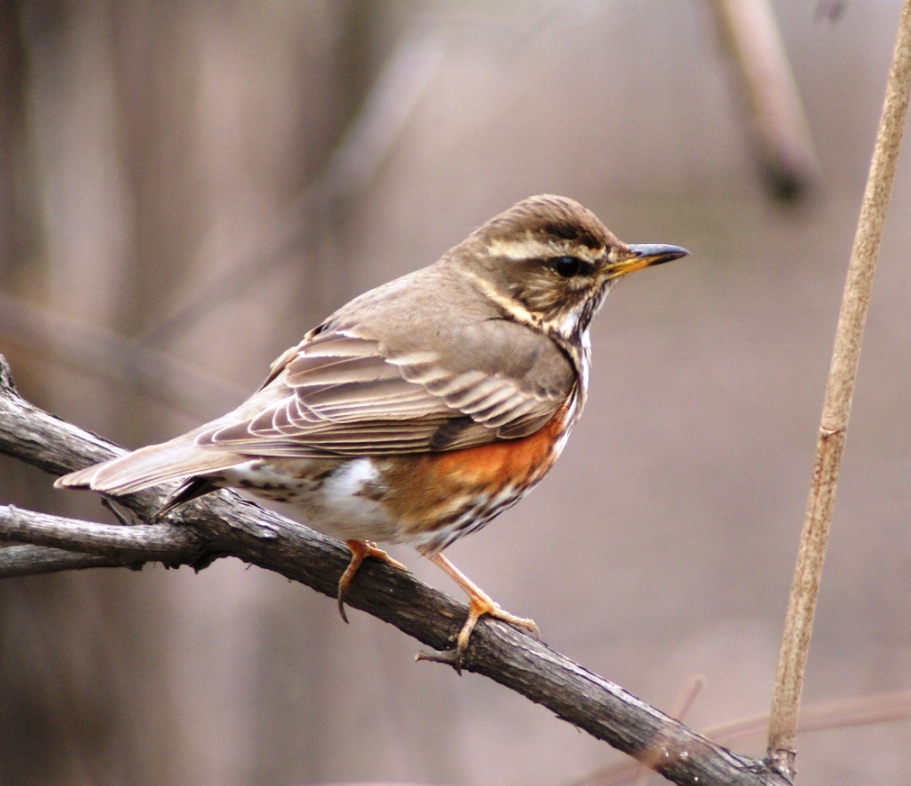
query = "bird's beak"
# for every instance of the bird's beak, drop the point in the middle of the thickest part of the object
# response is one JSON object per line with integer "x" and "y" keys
{"x": 643, "y": 255}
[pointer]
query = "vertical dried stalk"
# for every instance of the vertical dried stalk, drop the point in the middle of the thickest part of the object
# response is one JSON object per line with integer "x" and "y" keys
{"x": 805, "y": 587}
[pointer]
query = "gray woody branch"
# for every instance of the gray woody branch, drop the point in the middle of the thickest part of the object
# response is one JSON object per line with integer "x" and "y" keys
{"x": 223, "y": 525}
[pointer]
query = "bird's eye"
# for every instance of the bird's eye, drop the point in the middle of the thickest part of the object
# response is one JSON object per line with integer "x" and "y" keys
{"x": 567, "y": 266}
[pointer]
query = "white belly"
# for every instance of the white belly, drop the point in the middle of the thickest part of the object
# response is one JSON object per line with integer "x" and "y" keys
{"x": 343, "y": 503}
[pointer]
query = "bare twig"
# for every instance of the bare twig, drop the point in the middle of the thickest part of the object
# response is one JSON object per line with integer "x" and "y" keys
{"x": 837, "y": 407}
{"x": 222, "y": 525}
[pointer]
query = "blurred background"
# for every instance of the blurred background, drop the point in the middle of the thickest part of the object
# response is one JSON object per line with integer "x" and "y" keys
{"x": 186, "y": 188}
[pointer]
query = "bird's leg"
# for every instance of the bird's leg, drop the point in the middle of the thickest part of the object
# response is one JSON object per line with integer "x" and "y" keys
{"x": 360, "y": 550}
{"x": 479, "y": 604}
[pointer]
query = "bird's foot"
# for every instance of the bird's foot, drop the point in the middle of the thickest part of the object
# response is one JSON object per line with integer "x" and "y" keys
{"x": 360, "y": 550}
{"x": 479, "y": 605}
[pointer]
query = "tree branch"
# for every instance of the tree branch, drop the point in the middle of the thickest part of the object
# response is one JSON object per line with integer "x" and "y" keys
{"x": 167, "y": 543}
{"x": 222, "y": 525}
{"x": 35, "y": 560}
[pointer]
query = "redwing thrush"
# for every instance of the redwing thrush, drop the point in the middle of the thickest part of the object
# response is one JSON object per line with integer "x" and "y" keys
{"x": 422, "y": 409}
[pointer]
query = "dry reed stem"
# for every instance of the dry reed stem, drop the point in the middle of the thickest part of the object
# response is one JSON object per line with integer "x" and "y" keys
{"x": 833, "y": 427}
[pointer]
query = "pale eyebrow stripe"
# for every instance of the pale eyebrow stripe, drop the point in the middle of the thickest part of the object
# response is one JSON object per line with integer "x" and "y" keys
{"x": 530, "y": 248}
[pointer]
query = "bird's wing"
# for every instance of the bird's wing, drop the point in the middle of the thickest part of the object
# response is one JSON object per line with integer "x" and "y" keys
{"x": 345, "y": 392}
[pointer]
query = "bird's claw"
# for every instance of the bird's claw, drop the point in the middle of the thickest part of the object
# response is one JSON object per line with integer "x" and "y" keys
{"x": 360, "y": 550}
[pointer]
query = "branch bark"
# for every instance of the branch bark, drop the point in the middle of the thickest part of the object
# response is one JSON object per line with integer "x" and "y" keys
{"x": 223, "y": 525}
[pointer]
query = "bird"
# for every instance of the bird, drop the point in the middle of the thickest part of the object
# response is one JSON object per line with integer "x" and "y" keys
{"x": 422, "y": 409}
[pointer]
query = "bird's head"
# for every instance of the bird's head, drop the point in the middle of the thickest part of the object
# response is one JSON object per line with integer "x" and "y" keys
{"x": 549, "y": 261}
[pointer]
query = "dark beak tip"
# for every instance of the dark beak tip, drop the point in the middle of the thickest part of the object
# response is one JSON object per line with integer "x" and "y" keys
{"x": 659, "y": 253}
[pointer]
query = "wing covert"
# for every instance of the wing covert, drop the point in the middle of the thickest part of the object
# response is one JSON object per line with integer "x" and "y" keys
{"x": 344, "y": 392}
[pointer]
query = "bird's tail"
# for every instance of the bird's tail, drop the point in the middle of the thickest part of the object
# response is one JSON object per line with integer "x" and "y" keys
{"x": 149, "y": 466}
